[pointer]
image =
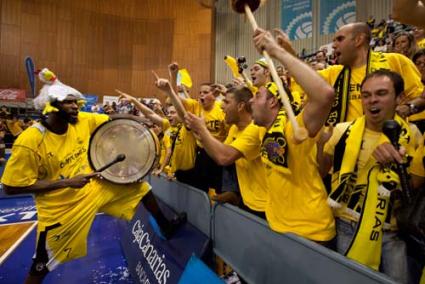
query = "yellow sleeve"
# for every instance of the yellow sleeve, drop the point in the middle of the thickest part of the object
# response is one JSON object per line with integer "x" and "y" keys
{"x": 248, "y": 143}
{"x": 94, "y": 119}
{"x": 231, "y": 135}
{"x": 296, "y": 88}
{"x": 192, "y": 106}
{"x": 331, "y": 73}
{"x": 22, "y": 168}
{"x": 165, "y": 124}
{"x": 417, "y": 165}
{"x": 166, "y": 140}
{"x": 412, "y": 78}
{"x": 338, "y": 130}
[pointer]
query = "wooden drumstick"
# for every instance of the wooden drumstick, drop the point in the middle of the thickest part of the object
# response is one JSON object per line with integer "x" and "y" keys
{"x": 300, "y": 134}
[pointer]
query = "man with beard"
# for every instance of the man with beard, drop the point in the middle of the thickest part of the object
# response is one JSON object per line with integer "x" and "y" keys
{"x": 50, "y": 160}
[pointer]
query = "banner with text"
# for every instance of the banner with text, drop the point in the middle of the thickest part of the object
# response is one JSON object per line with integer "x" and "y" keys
{"x": 336, "y": 13}
{"x": 154, "y": 260}
{"x": 297, "y": 18}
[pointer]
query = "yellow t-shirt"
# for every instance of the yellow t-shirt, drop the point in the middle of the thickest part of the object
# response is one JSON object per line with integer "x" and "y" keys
{"x": 165, "y": 126}
{"x": 183, "y": 155}
{"x": 39, "y": 154}
{"x": 397, "y": 62}
{"x": 365, "y": 160}
{"x": 421, "y": 43}
{"x": 250, "y": 170}
{"x": 14, "y": 127}
{"x": 214, "y": 118}
{"x": 417, "y": 165}
{"x": 297, "y": 92}
{"x": 297, "y": 199}
{"x": 370, "y": 141}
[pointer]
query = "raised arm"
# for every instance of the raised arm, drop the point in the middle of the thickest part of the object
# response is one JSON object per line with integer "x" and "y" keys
{"x": 320, "y": 93}
{"x": 324, "y": 160}
{"x": 147, "y": 112}
{"x": 173, "y": 70}
{"x": 165, "y": 86}
{"x": 222, "y": 154}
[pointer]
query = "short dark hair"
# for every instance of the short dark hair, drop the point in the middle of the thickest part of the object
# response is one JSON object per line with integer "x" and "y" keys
{"x": 206, "y": 84}
{"x": 418, "y": 54}
{"x": 397, "y": 80}
{"x": 241, "y": 94}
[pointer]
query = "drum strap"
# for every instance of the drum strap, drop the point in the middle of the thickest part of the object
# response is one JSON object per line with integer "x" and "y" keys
{"x": 174, "y": 143}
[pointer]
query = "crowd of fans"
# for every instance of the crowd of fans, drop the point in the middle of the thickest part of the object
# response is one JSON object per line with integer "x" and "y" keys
{"x": 236, "y": 140}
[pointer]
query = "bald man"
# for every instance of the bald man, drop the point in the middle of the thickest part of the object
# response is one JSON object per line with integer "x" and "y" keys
{"x": 355, "y": 60}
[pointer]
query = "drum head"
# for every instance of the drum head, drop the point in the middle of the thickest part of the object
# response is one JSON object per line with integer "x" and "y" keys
{"x": 124, "y": 136}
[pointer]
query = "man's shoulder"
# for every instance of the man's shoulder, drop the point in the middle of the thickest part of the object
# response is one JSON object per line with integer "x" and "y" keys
{"x": 342, "y": 126}
{"x": 395, "y": 58}
{"x": 250, "y": 130}
{"x": 331, "y": 71}
{"x": 332, "y": 68}
{"x": 32, "y": 136}
{"x": 82, "y": 115}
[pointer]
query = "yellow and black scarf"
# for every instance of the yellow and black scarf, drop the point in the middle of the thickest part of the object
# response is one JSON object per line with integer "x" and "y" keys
{"x": 375, "y": 181}
{"x": 339, "y": 110}
{"x": 274, "y": 147}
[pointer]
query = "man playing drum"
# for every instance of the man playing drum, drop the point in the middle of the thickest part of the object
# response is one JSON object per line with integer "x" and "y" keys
{"x": 50, "y": 160}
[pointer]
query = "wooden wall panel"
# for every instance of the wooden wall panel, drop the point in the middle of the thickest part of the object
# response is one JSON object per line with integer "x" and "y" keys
{"x": 99, "y": 45}
{"x": 11, "y": 12}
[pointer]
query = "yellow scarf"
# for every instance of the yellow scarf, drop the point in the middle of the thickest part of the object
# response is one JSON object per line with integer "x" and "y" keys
{"x": 374, "y": 181}
{"x": 338, "y": 113}
{"x": 274, "y": 147}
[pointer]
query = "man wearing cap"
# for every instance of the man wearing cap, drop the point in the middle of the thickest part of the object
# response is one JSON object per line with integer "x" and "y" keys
{"x": 297, "y": 200}
{"x": 260, "y": 73}
{"x": 49, "y": 160}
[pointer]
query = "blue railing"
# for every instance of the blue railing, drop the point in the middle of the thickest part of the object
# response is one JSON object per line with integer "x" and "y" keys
{"x": 257, "y": 253}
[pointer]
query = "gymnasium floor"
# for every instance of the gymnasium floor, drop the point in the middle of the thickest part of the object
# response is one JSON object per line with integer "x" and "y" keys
{"x": 105, "y": 262}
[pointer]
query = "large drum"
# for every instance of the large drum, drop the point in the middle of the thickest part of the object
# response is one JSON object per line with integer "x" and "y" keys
{"x": 124, "y": 136}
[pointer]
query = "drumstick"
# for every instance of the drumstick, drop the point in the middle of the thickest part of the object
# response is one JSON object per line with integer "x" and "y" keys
{"x": 300, "y": 134}
{"x": 118, "y": 158}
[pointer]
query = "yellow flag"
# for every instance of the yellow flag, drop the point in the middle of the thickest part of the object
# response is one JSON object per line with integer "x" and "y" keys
{"x": 183, "y": 77}
{"x": 233, "y": 65}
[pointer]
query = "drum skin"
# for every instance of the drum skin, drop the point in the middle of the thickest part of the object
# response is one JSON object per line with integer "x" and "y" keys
{"x": 124, "y": 136}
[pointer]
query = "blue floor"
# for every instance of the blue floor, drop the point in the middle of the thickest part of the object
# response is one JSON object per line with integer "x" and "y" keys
{"x": 104, "y": 263}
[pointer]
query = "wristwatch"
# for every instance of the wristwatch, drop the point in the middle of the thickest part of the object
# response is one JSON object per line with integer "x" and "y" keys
{"x": 412, "y": 108}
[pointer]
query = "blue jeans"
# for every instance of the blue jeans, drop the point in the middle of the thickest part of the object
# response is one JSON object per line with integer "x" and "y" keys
{"x": 394, "y": 253}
